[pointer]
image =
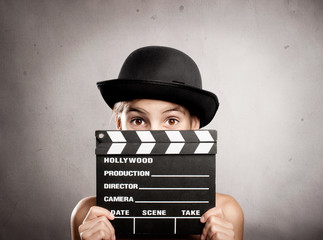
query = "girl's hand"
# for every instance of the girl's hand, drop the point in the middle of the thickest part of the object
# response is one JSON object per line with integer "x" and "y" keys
{"x": 96, "y": 225}
{"x": 216, "y": 226}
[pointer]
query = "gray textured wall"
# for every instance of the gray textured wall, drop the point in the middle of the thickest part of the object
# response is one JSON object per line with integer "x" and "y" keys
{"x": 264, "y": 60}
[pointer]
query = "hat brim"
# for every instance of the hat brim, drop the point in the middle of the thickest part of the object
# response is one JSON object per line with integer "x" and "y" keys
{"x": 200, "y": 103}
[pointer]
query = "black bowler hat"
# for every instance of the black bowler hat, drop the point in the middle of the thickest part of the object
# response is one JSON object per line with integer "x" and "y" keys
{"x": 165, "y": 74}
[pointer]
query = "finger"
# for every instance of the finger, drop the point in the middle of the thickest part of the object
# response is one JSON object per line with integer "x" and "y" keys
{"x": 216, "y": 225}
{"x": 95, "y": 212}
{"x": 91, "y": 223}
{"x": 212, "y": 212}
{"x": 213, "y": 220}
{"x": 218, "y": 232}
{"x": 220, "y": 236}
{"x": 99, "y": 235}
{"x": 100, "y": 230}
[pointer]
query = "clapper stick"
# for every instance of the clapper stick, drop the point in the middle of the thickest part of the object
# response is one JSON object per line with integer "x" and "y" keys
{"x": 156, "y": 182}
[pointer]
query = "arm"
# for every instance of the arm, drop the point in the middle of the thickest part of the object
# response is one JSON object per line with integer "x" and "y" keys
{"x": 225, "y": 221}
{"x": 91, "y": 222}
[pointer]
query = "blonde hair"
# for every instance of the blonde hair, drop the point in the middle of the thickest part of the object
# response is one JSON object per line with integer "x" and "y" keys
{"x": 119, "y": 107}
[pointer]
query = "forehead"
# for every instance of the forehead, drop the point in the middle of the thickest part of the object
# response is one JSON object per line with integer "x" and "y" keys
{"x": 155, "y": 105}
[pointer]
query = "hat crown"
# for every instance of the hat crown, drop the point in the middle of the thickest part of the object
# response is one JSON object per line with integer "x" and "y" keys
{"x": 162, "y": 64}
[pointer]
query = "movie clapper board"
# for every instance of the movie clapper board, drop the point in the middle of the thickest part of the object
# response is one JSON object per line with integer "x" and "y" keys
{"x": 156, "y": 182}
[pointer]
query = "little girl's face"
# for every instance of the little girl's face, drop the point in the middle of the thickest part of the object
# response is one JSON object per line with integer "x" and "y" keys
{"x": 147, "y": 114}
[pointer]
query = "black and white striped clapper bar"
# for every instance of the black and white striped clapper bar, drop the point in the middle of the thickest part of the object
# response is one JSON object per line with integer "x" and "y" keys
{"x": 156, "y": 182}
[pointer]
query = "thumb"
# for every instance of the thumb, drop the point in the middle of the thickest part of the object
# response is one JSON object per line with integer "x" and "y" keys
{"x": 212, "y": 212}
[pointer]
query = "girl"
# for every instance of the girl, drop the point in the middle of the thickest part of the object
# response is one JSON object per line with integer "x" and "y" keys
{"x": 159, "y": 88}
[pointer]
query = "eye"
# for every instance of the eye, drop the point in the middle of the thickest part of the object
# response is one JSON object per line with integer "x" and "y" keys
{"x": 138, "y": 121}
{"x": 172, "y": 121}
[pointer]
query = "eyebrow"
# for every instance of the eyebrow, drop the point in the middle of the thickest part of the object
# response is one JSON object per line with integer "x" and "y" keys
{"x": 142, "y": 111}
{"x": 132, "y": 109}
{"x": 177, "y": 109}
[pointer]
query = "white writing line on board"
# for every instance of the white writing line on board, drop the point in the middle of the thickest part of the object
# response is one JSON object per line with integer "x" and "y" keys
{"x": 195, "y": 189}
{"x": 171, "y": 201}
{"x": 184, "y": 176}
